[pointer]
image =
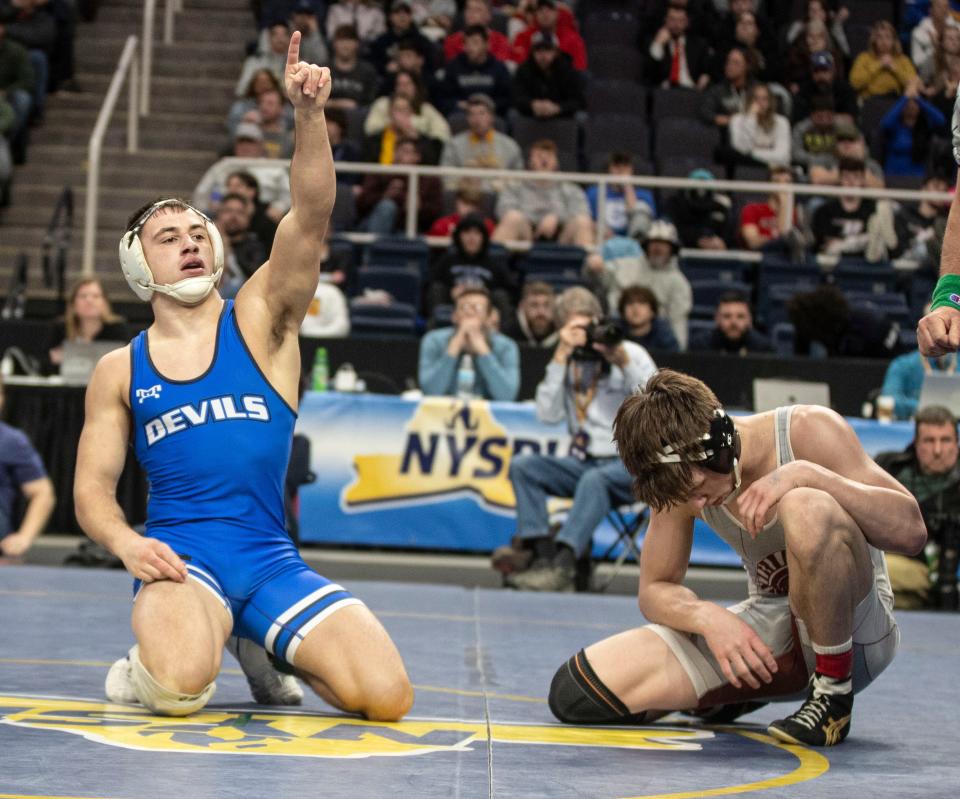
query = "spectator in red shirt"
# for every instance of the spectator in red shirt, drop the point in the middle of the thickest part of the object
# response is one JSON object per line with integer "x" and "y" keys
{"x": 772, "y": 224}
{"x": 466, "y": 201}
{"x": 477, "y": 12}
{"x": 545, "y": 19}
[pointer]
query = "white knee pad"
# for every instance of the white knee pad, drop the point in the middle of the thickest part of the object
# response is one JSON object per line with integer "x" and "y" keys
{"x": 160, "y": 700}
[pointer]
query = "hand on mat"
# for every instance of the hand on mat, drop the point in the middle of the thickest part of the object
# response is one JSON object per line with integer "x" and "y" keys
{"x": 939, "y": 332}
{"x": 739, "y": 651}
{"x": 755, "y": 504}
{"x": 307, "y": 85}
{"x": 150, "y": 560}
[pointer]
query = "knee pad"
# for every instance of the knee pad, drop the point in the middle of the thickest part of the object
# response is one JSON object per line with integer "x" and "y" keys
{"x": 578, "y": 696}
{"x": 160, "y": 700}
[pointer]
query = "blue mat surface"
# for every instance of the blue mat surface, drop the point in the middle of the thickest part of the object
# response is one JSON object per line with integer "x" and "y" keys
{"x": 481, "y": 662}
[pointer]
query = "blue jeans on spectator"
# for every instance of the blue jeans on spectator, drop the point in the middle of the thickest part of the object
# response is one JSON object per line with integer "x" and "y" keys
{"x": 22, "y": 105}
{"x": 596, "y": 485}
{"x": 382, "y": 219}
{"x": 41, "y": 71}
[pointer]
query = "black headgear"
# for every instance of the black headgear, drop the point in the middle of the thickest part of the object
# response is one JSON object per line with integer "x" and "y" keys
{"x": 721, "y": 446}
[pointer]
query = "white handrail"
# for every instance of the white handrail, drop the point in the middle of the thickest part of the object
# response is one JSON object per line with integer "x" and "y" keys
{"x": 126, "y": 63}
{"x": 146, "y": 72}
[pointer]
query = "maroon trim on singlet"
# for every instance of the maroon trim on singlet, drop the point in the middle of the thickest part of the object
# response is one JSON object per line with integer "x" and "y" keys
{"x": 791, "y": 678}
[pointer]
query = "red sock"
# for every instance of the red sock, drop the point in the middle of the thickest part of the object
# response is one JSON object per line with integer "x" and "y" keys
{"x": 835, "y": 662}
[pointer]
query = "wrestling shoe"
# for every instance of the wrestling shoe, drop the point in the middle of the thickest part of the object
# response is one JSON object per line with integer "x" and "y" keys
{"x": 267, "y": 685}
{"x": 822, "y": 720}
{"x": 725, "y": 714}
{"x": 119, "y": 683}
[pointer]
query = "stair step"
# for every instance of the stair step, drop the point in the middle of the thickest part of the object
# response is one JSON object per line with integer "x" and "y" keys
{"x": 204, "y": 31}
{"x": 210, "y": 141}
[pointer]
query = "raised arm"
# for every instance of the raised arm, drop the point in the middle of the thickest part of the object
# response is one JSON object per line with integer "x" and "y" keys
{"x": 285, "y": 284}
{"x": 100, "y": 458}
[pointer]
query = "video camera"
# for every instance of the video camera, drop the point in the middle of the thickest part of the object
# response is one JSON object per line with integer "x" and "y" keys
{"x": 604, "y": 331}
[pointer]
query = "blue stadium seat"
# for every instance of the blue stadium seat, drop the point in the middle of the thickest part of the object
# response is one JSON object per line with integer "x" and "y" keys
{"x": 777, "y": 271}
{"x": 374, "y": 320}
{"x": 402, "y": 283}
{"x": 698, "y": 327}
{"x": 553, "y": 258}
{"x": 706, "y": 293}
{"x": 730, "y": 270}
{"x": 783, "y": 335}
{"x": 560, "y": 281}
{"x": 859, "y": 275}
{"x": 399, "y": 251}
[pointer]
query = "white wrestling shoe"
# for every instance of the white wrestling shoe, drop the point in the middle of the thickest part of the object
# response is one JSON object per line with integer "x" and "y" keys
{"x": 119, "y": 683}
{"x": 267, "y": 685}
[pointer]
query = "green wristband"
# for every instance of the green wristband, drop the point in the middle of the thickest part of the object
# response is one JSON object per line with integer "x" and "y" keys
{"x": 947, "y": 293}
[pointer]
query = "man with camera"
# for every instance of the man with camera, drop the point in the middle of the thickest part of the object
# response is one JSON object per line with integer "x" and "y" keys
{"x": 592, "y": 371}
{"x": 930, "y": 470}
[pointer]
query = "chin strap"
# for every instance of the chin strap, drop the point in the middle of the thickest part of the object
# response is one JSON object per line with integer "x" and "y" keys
{"x": 190, "y": 290}
{"x": 736, "y": 482}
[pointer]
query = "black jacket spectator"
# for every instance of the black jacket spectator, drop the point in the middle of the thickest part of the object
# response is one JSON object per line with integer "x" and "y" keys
{"x": 715, "y": 341}
{"x": 468, "y": 265}
{"x": 463, "y": 77}
{"x": 701, "y": 214}
{"x": 559, "y": 83}
{"x": 824, "y": 316}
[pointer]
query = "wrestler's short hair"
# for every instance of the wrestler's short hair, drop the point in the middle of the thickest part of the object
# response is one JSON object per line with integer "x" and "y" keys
{"x": 673, "y": 410}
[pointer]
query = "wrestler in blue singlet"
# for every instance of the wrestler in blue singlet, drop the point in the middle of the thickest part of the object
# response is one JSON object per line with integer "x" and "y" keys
{"x": 215, "y": 450}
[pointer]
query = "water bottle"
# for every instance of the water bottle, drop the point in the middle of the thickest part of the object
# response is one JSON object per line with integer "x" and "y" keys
{"x": 466, "y": 378}
{"x": 321, "y": 370}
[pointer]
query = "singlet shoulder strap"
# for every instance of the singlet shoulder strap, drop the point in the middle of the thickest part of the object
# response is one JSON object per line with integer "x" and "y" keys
{"x": 782, "y": 418}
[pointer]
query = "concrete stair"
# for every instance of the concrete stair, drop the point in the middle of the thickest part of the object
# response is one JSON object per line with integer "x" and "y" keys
{"x": 191, "y": 92}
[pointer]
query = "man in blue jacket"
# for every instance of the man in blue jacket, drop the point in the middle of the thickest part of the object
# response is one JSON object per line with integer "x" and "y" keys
{"x": 470, "y": 359}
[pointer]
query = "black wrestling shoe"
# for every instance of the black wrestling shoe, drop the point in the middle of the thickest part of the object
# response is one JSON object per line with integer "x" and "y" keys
{"x": 725, "y": 714}
{"x": 823, "y": 720}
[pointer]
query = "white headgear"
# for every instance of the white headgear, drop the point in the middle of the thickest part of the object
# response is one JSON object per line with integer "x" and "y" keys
{"x": 136, "y": 270}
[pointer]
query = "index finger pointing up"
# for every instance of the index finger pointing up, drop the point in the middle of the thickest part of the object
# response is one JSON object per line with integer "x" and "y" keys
{"x": 293, "y": 51}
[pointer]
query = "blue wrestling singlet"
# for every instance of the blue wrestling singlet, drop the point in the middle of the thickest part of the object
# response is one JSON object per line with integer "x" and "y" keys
{"x": 215, "y": 450}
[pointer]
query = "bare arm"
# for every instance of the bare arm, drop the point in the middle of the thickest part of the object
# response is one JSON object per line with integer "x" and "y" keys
{"x": 285, "y": 284}
{"x": 830, "y": 458}
{"x": 939, "y": 331}
{"x": 100, "y": 458}
{"x": 41, "y": 499}
{"x": 664, "y": 600}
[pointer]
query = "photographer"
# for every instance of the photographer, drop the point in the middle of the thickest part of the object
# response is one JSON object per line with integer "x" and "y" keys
{"x": 592, "y": 371}
{"x": 929, "y": 469}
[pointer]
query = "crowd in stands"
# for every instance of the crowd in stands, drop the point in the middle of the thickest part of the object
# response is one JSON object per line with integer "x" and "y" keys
{"x": 36, "y": 59}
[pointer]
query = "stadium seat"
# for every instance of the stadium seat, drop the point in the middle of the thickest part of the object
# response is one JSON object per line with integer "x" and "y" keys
{"x": 698, "y": 327}
{"x": 858, "y": 275}
{"x": 552, "y": 258}
{"x": 782, "y": 334}
{"x": 729, "y": 270}
{"x": 399, "y": 251}
{"x": 609, "y": 132}
{"x": 706, "y": 293}
{"x": 625, "y": 63}
{"x": 560, "y": 281}
{"x": 675, "y": 103}
{"x": 616, "y": 97}
{"x": 609, "y": 28}
{"x": 402, "y": 283}
{"x": 373, "y": 320}
{"x": 344, "y": 212}
{"x": 679, "y": 136}
{"x": 562, "y": 132}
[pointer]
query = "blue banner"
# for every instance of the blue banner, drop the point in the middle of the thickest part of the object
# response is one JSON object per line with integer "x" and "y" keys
{"x": 433, "y": 473}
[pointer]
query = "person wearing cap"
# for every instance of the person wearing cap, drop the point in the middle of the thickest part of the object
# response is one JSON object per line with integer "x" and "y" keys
{"x": 703, "y": 216}
{"x": 475, "y": 71}
{"x": 816, "y": 38}
{"x": 273, "y": 180}
{"x": 908, "y": 127}
{"x": 568, "y": 40}
{"x": 540, "y": 210}
{"x": 882, "y": 68}
{"x": 546, "y": 85}
{"x": 400, "y": 25}
{"x": 481, "y": 144}
{"x": 815, "y": 137}
{"x": 364, "y": 16}
{"x": 823, "y": 78}
{"x": 795, "y": 495}
{"x": 676, "y": 57}
{"x": 477, "y": 12}
{"x": 355, "y": 80}
{"x": 623, "y": 263}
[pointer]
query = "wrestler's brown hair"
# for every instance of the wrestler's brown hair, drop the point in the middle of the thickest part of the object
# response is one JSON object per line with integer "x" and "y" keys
{"x": 675, "y": 410}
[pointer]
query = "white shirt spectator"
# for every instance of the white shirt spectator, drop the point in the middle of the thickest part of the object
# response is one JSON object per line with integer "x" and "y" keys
{"x": 328, "y": 315}
{"x": 769, "y": 146}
